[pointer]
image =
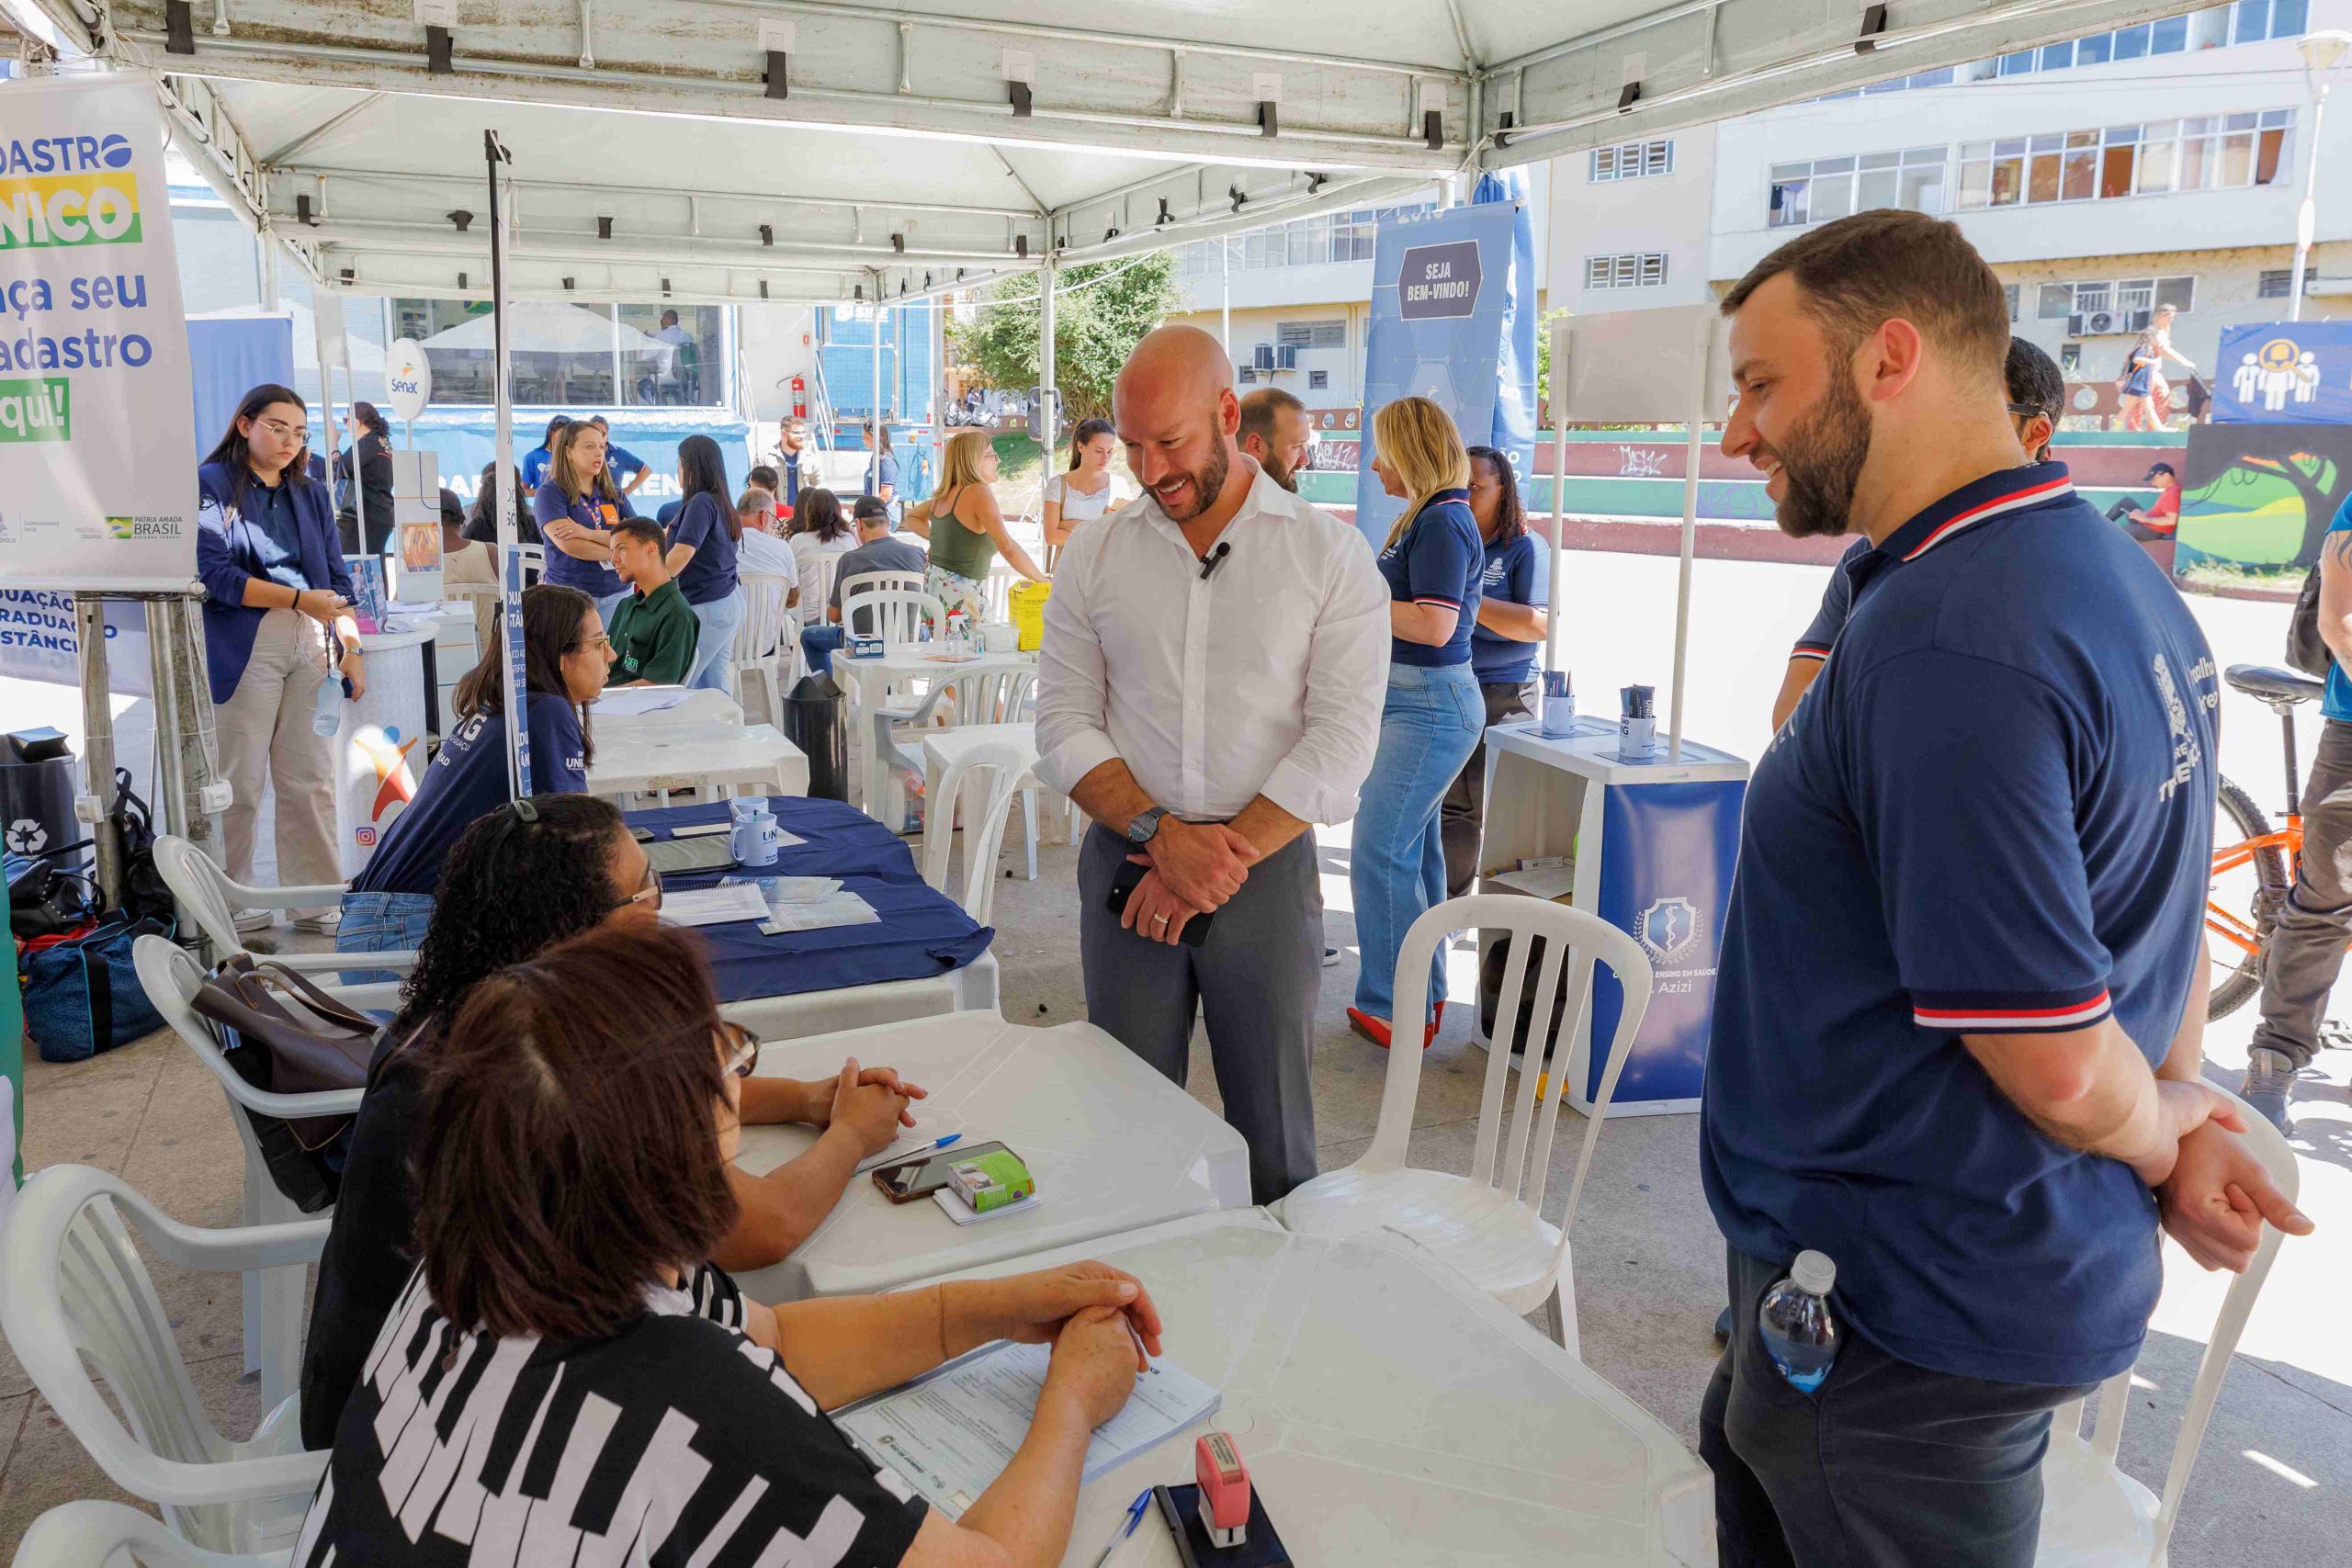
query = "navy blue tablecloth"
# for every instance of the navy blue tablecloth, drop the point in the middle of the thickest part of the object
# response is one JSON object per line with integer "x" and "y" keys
{"x": 922, "y": 932}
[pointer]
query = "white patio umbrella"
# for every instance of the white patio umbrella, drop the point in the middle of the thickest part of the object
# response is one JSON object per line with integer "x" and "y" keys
{"x": 543, "y": 326}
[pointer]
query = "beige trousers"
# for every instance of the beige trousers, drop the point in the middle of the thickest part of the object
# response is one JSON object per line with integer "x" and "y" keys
{"x": 264, "y": 731}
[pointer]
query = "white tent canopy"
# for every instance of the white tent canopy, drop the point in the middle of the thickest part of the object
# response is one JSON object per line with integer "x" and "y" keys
{"x": 912, "y": 146}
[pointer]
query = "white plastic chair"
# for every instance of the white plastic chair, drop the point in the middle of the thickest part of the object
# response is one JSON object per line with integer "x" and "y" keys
{"x": 1488, "y": 1226}
{"x": 81, "y": 1312}
{"x": 95, "y": 1534}
{"x": 2092, "y": 1514}
{"x": 983, "y": 784}
{"x": 894, "y": 612}
{"x": 211, "y": 900}
{"x": 817, "y": 593}
{"x": 995, "y": 696}
{"x": 767, "y": 643}
{"x": 953, "y": 751}
{"x": 273, "y": 1301}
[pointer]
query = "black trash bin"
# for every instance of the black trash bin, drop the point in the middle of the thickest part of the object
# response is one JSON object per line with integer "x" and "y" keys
{"x": 814, "y": 721}
{"x": 37, "y": 791}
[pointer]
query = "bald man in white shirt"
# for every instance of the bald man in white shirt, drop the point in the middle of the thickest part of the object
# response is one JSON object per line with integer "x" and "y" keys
{"x": 1215, "y": 660}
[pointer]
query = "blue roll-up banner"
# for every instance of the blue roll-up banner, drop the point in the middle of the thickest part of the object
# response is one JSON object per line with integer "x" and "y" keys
{"x": 229, "y": 356}
{"x": 2284, "y": 373}
{"x": 518, "y": 693}
{"x": 1446, "y": 289}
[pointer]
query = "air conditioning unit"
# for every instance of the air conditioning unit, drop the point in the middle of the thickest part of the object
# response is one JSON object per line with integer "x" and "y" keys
{"x": 1263, "y": 356}
{"x": 2093, "y": 323}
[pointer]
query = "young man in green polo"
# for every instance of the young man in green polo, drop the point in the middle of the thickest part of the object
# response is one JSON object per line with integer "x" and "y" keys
{"x": 654, "y": 629}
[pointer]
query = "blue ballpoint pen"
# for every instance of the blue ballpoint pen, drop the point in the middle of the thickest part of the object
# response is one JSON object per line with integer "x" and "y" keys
{"x": 1135, "y": 1518}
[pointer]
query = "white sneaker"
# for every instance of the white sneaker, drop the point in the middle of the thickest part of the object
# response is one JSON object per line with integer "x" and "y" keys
{"x": 253, "y": 922}
{"x": 326, "y": 922}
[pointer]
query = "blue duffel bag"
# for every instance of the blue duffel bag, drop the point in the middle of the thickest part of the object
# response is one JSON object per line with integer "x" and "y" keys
{"x": 82, "y": 996}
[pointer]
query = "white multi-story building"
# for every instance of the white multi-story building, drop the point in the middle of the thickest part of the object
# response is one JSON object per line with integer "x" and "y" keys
{"x": 2161, "y": 164}
{"x": 1299, "y": 296}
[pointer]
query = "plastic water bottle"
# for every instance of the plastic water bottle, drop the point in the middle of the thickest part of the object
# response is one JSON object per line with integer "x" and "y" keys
{"x": 326, "y": 713}
{"x": 1794, "y": 1322}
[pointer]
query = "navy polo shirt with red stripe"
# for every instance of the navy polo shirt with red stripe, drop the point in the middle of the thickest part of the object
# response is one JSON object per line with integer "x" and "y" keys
{"x": 1992, "y": 814}
{"x": 1837, "y": 604}
{"x": 1438, "y": 559}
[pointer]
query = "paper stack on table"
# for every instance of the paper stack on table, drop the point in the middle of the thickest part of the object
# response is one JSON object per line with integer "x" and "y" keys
{"x": 820, "y": 914}
{"x": 630, "y": 700}
{"x": 952, "y": 1431}
{"x": 714, "y": 905}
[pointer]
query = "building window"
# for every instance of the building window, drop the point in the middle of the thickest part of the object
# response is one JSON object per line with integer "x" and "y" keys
{"x": 2121, "y": 305}
{"x": 1304, "y": 241}
{"x": 1632, "y": 161}
{"x": 1316, "y": 380}
{"x": 1312, "y": 334}
{"x": 2279, "y": 283}
{"x": 2200, "y": 153}
{"x": 1247, "y": 374}
{"x": 1832, "y": 187}
{"x": 2244, "y": 21}
{"x": 1638, "y": 270}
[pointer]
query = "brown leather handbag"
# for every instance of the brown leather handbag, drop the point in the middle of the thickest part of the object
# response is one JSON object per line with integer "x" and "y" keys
{"x": 292, "y": 1036}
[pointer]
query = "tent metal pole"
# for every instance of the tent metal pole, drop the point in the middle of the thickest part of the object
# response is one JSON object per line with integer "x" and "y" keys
{"x": 1047, "y": 287}
{"x": 499, "y": 162}
{"x": 1698, "y": 397}
{"x": 98, "y": 730}
{"x": 1561, "y": 342}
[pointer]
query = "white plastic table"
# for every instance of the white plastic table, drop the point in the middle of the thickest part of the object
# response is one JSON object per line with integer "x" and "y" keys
{"x": 1388, "y": 1413}
{"x": 689, "y": 756}
{"x": 702, "y": 708}
{"x": 1114, "y": 1147}
{"x": 868, "y": 682}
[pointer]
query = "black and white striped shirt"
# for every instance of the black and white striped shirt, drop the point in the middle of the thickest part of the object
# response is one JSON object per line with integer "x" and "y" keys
{"x": 676, "y": 1443}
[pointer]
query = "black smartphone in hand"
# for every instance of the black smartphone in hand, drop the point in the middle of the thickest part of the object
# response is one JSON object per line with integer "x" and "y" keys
{"x": 1122, "y": 887}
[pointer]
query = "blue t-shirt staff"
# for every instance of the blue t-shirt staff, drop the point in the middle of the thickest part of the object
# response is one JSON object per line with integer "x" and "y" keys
{"x": 704, "y": 536}
{"x": 1960, "y": 1005}
{"x": 564, "y": 664}
{"x": 535, "y": 461}
{"x": 1432, "y": 715}
{"x": 276, "y": 597}
{"x": 1511, "y": 618}
{"x": 576, "y": 509}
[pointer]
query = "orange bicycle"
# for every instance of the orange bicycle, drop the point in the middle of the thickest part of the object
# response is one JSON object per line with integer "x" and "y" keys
{"x": 2254, "y": 864}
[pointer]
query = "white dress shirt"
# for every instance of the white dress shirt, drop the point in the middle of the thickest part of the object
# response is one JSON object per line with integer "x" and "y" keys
{"x": 1267, "y": 679}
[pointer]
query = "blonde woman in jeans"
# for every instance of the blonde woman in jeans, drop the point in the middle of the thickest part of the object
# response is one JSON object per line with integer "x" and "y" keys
{"x": 966, "y": 529}
{"x": 1434, "y": 714}
{"x": 277, "y": 596}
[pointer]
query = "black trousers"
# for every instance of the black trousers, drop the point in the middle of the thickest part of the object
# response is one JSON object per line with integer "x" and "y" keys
{"x": 1462, "y": 814}
{"x": 1885, "y": 1465}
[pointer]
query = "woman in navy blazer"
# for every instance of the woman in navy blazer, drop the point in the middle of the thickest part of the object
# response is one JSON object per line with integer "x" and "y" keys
{"x": 277, "y": 602}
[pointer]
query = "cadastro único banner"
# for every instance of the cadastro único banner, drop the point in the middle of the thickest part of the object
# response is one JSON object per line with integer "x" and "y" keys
{"x": 98, "y": 466}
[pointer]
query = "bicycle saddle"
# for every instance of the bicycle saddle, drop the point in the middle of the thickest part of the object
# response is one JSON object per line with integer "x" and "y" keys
{"x": 2274, "y": 684}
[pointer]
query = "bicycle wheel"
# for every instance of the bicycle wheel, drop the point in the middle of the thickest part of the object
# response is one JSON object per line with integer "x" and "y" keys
{"x": 2243, "y": 903}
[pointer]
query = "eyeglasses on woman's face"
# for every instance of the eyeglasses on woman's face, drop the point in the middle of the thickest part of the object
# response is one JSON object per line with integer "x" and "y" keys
{"x": 741, "y": 1047}
{"x": 648, "y": 893}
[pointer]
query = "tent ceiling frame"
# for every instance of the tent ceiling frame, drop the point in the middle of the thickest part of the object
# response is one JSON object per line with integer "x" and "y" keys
{"x": 527, "y": 184}
{"x": 743, "y": 95}
{"x": 1569, "y": 96}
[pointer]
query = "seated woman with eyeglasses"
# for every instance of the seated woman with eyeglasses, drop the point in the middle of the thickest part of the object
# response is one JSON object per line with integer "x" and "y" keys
{"x": 567, "y": 1377}
{"x": 564, "y": 660}
{"x": 521, "y": 880}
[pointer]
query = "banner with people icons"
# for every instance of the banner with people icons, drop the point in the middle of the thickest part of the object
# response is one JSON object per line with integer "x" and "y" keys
{"x": 2284, "y": 373}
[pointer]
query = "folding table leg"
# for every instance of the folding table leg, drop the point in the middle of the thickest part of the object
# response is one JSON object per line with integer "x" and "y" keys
{"x": 1029, "y": 830}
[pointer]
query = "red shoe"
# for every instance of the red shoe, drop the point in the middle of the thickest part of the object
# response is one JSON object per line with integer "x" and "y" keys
{"x": 1372, "y": 1029}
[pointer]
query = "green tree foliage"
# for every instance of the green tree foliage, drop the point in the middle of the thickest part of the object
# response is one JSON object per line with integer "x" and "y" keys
{"x": 1096, "y": 326}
